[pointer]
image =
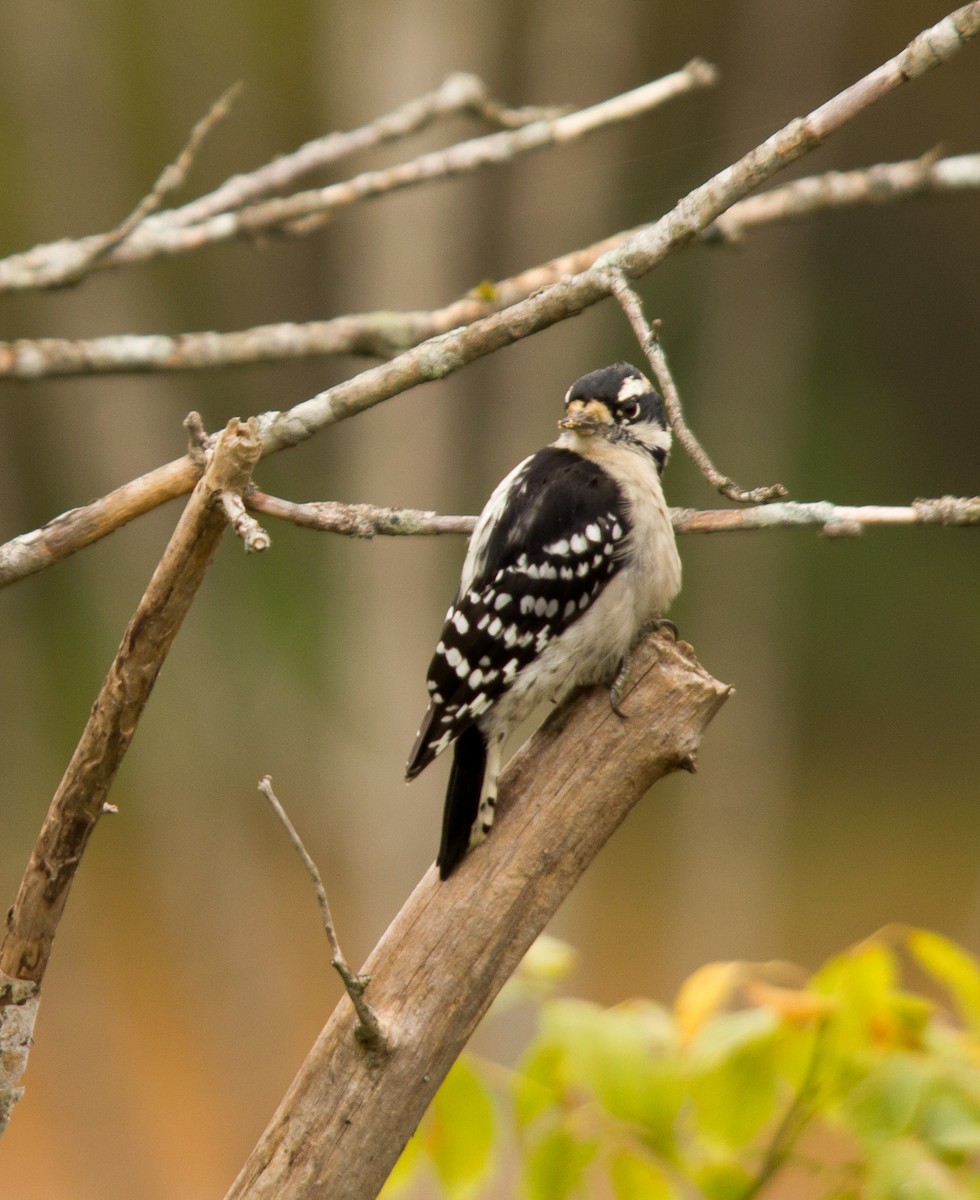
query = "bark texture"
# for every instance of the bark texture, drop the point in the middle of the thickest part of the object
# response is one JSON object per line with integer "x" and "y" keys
{"x": 349, "y": 1112}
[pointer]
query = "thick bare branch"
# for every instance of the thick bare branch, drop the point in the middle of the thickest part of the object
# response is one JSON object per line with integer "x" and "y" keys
{"x": 80, "y": 798}
{"x": 347, "y": 1116}
{"x": 383, "y": 334}
{"x": 447, "y": 353}
{"x": 79, "y": 527}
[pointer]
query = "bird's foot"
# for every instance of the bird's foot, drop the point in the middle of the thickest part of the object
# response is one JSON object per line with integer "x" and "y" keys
{"x": 623, "y": 674}
{"x": 658, "y": 624}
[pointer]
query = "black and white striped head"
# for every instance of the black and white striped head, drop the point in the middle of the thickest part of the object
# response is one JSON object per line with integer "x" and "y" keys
{"x": 619, "y": 404}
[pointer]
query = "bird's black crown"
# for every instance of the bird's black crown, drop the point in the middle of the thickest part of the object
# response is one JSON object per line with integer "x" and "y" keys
{"x": 626, "y": 392}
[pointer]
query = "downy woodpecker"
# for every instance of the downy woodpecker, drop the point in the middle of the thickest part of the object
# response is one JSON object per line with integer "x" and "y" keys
{"x": 571, "y": 560}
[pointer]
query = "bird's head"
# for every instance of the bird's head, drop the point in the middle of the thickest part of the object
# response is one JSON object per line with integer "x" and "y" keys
{"x": 619, "y": 404}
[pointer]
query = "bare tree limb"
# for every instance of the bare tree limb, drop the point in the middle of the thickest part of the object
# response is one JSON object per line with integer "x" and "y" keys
{"x": 358, "y": 520}
{"x": 161, "y": 237}
{"x": 79, "y": 527}
{"x": 832, "y": 520}
{"x": 383, "y": 334}
{"x": 459, "y": 93}
{"x": 346, "y": 1116}
{"x": 880, "y": 184}
{"x": 80, "y": 799}
{"x": 441, "y": 356}
{"x": 837, "y": 520}
{"x": 369, "y": 1030}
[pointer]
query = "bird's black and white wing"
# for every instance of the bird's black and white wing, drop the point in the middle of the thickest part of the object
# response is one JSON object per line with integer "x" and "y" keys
{"x": 545, "y": 546}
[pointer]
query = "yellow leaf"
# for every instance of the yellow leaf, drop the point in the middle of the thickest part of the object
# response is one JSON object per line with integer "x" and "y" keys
{"x": 708, "y": 991}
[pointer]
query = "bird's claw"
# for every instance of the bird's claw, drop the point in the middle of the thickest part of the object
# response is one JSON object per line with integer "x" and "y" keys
{"x": 660, "y": 624}
{"x": 622, "y": 676}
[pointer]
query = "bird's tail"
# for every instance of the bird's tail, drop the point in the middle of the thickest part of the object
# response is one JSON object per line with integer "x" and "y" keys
{"x": 462, "y": 799}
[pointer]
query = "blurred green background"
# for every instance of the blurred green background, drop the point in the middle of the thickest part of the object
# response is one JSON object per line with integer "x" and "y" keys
{"x": 838, "y": 788}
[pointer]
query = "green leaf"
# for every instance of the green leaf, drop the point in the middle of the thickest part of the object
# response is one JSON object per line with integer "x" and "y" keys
{"x": 723, "y": 1181}
{"x": 953, "y": 967}
{"x": 904, "y": 1170}
{"x": 623, "y": 1058}
{"x": 538, "y": 1084}
{"x": 868, "y": 1018}
{"x": 733, "y": 1080}
{"x": 555, "y": 1164}
{"x": 951, "y": 1126}
{"x": 862, "y": 980}
{"x": 634, "y": 1076}
{"x": 460, "y": 1132}
{"x": 636, "y": 1178}
{"x": 883, "y": 1105}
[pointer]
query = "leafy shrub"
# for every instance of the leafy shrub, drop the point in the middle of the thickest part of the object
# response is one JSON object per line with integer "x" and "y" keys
{"x": 862, "y": 1081}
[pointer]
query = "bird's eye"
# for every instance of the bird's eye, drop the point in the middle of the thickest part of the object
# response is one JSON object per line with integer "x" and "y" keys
{"x": 630, "y": 411}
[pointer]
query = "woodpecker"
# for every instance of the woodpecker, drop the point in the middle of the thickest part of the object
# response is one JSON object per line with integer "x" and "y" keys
{"x": 571, "y": 561}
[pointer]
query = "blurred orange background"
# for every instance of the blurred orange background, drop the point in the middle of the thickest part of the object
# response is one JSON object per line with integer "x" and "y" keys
{"x": 838, "y": 788}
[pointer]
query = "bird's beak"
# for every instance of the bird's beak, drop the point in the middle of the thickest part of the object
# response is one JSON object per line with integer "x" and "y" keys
{"x": 586, "y": 416}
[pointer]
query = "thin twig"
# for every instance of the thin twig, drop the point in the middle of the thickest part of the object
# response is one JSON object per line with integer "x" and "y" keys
{"x": 649, "y": 339}
{"x": 459, "y": 92}
{"x": 832, "y": 520}
{"x": 170, "y": 179}
{"x": 161, "y": 237}
{"x": 879, "y": 184}
{"x": 369, "y": 1030}
{"x": 246, "y": 527}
